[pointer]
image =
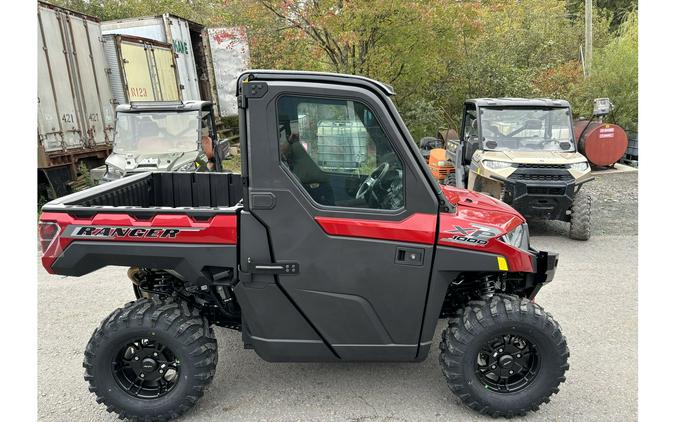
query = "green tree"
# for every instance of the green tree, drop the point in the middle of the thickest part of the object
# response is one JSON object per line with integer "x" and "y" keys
{"x": 615, "y": 75}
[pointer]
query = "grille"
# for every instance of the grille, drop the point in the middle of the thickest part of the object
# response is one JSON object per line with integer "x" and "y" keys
{"x": 542, "y": 166}
{"x": 536, "y": 190}
{"x": 544, "y": 177}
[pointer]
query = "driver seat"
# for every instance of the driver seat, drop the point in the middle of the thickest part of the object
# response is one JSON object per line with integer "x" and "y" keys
{"x": 313, "y": 179}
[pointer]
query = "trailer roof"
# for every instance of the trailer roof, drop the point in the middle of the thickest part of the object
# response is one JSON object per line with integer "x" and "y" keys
{"x": 70, "y": 11}
{"x": 139, "y": 106}
{"x": 191, "y": 23}
{"x": 298, "y": 75}
{"x": 517, "y": 102}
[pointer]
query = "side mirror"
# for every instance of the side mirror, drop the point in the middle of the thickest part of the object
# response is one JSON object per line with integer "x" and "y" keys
{"x": 491, "y": 144}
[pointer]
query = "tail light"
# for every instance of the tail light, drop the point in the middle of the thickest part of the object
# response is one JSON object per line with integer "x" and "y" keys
{"x": 47, "y": 232}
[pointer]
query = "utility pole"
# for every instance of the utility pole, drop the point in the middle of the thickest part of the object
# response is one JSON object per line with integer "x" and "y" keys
{"x": 588, "y": 48}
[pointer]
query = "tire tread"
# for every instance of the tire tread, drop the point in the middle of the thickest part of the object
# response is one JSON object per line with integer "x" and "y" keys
{"x": 481, "y": 314}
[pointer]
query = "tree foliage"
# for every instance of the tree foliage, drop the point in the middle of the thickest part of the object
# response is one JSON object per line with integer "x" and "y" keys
{"x": 615, "y": 75}
{"x": 436, "y": 53}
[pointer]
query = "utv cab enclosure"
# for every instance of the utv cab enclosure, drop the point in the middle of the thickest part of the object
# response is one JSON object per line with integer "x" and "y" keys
{"x": 343, "y": 248}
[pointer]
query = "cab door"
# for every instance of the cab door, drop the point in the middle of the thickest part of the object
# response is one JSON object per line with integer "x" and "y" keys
{"x": 350, "y": 218}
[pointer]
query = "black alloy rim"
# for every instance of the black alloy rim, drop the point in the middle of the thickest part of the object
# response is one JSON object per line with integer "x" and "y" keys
{"x": 146, "y": 369}
{"x": 507, "y": 363}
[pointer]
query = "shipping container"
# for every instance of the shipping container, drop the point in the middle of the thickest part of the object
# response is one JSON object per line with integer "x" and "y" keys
{"x": 141, "y": 69}
{"x": 182, "y": 35}
{"x": 75, "y": 103}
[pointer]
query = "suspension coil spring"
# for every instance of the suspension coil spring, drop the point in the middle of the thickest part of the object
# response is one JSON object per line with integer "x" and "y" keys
{"x": 488, "y": 287}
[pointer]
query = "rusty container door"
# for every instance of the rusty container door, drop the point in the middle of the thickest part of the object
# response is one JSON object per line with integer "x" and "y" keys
{"x": 137, "y": 72}
{"x": 58, "y": 105}
{"x": 88, "y": 57}
{"x": 165, "y": 66}
{"x": 178, "y": 34}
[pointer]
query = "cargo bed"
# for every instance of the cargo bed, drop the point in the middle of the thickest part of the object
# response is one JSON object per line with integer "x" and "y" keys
{"x": 152, "y": 192}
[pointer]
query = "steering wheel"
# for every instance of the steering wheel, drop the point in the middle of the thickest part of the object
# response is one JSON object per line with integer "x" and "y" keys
{"x": 372, "y": 180}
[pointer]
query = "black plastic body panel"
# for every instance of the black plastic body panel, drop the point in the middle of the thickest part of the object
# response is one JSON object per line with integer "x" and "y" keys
{"x": 272, "y": 324}
{"x": 186, "y": 260}
{"x": 448, "y": 264}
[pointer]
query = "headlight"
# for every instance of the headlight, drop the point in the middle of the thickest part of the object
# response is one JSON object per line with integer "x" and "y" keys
{"x": 442, "y": 163}
{"x": 518, "y": 237}
{"x": 579, "y": 166}
{"x": 496, "y": 165}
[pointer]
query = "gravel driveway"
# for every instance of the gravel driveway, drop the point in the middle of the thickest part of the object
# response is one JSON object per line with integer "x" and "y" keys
{"x": 594, "y": 297}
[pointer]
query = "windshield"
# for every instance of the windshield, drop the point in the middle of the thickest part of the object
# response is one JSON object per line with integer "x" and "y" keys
{"x": 156, "y": 132}
{"x": 526, "y": 129}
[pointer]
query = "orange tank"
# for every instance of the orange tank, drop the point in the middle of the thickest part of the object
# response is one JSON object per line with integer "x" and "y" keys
{"x": 602, "y": 143}
{"x": 439, "y": 164}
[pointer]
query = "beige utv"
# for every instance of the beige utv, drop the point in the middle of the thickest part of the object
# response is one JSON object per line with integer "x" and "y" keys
{"x": 522, "y": 151}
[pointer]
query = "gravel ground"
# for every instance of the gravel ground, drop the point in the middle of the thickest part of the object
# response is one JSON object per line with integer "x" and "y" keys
{"x": 594, "y": 297}
{"x": 614, "y": 211}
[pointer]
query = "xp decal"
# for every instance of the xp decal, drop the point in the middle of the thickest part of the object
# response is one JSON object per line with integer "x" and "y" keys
{"x": 475, "y": 235}
{"x": 109, "y": 232}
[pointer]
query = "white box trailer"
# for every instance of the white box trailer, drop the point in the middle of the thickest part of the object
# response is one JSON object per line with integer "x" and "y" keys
{"x": 76, "y": 117}
{"x": 178, "y": 32}
{"x": 208, "y": 59}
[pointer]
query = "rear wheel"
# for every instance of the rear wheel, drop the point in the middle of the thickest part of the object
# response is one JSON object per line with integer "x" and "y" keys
{"x": 151, "y": 360}
{"x": 503, "y": 356}
{"x": 580, "y": 218}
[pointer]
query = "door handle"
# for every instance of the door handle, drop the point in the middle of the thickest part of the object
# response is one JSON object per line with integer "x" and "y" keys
{"x": 410, "y": 256}
{"x": 274, "y": 268}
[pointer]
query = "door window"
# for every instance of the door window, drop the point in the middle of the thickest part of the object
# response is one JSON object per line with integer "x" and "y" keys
{"x": 338, "y": 152}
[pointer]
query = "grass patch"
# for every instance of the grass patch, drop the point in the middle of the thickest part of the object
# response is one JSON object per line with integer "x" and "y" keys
{"x": 232, "y": 164}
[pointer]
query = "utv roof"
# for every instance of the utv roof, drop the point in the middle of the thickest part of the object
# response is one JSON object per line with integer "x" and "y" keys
{"x": 517, "y": 102}
{"x": 140, "y": 106}
{"x": 303, "y": 76}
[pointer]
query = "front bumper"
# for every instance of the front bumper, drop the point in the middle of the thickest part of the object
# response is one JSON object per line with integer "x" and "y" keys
{"x": 544, "y": 265}
{"x": 540, "y": 199}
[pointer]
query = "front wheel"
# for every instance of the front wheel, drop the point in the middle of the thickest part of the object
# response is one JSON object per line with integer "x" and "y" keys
{"x": 151, "y": 360}
{"x": 580, "y": 217}
{"x": 503, "y": 356}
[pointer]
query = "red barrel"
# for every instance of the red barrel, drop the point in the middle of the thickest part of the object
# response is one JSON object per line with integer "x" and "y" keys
{"x": 603, "y": 143}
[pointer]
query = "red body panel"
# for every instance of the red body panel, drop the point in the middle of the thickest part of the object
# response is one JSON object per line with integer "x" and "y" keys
{"x": 221, "y": 229}
{"x": 417, "y": 228}
{"x": 473, "y": 212}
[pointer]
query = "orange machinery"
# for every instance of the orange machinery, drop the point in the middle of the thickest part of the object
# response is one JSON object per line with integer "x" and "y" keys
{"x": 439, "y": 164}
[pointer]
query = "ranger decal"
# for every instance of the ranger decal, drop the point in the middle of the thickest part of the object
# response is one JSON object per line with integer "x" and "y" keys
{"x": 109, "y": 232}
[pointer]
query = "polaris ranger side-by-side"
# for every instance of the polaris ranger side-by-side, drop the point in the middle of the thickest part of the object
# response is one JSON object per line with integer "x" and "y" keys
{"x": 163, "y": 136}
{"x": 327, "y": 258}
{"x": 522, "y": 152}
